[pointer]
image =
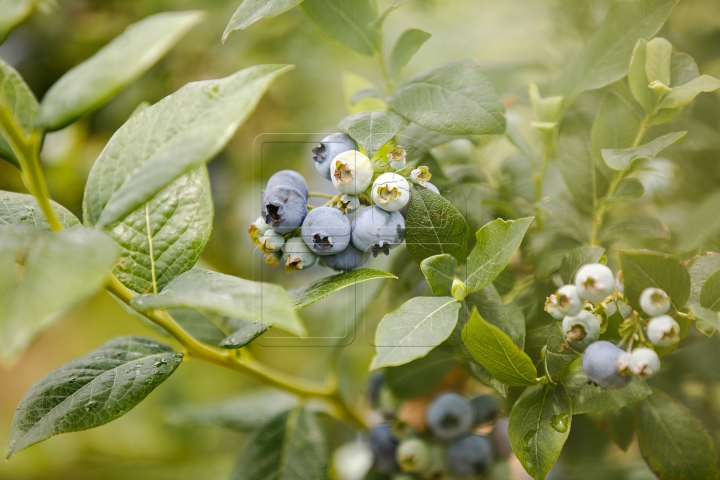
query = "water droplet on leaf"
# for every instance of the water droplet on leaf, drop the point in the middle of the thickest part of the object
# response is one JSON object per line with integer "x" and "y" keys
{"x": 91, "y": 405}
{"x": 529, "y": 440}
{"x": 560, "y": 423}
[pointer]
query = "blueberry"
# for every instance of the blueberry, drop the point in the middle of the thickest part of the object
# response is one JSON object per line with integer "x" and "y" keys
{"x": 551, "y": 307}
{"x": 257, "y": 229}
{"x": 284, "y": 208}
{"x": 501, "y": 438}
{"x": 420, "y": 175}
{"x": 330, "y": 147}
{"x": 413, "y": 455}
{"x": 594, "y": 282}
{"x": 485, "y": 409}
{"x": 397, "y": 157}
{"x": 349, "y": 259}
{"x": 663, "y": 331}
{"x": 348, "y": 203}
{"x": 376, "y": 230}
{"x": 288, "y": 178}
{"x": 390, "y": 192}
{"x": 326, "y": 231}
{"x": 647, "y": 362}
{"x": 568, "y": 301}
{"x": 654, "y": 301}
{"x": 431, "y": 187}
{"x": 471, "y": 455}
{"x": 298, "y": 255}
{"x": 374, "y": 386}
{"x": 449, "y": 416}
{"x": 383, "y": 446}
{"x": 271, "y": 241}
{"x": 351, "y": 172}
{"x": 602, "y": 362}
{"x": 582, "y": 329}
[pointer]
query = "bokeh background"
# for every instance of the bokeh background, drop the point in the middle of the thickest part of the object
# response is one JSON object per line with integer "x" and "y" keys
{"x": 516, "y": 41}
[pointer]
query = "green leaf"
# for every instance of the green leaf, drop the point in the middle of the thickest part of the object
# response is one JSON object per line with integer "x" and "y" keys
{"x": 558, "y": 355}
{"x": 406, "y": 46}
{"x": 228, "y": 296}
{"x": 414, "y": 329}
{"x": 683, "y": 69}
{"x": 620, "y": 159}
{"x": 17, "y": 99}
{"x": 420, "y": 376}
{"x": 433, "y": 226}
{"x": 42, "y": 275}
{"x": 657, "y": 61}
{"x": 377, "y": 23}
{"x": 13, "y": 13}
{"x": 293, "y": 445}
{"x": 637, "y": 78}
{"x": 700, "y": 269}
{"x": 244, "y": 413}
{"x": 185, "y": 129}
{"x": 306, "y": 296}
{"x": 575, "y": 259}
{"x": 207, "y": 327}
{"x": 372, "y": 130}
{"x": 646, "y": 269}
{"x": 479, "y": 372}
{"x": 683, "y": 95}
{"x": 248, "y": 332}
{"x": 707, "y": 320}
{"x": 454, "y": 98}
{"x": 251, "y": 11}
{"x": 89, "y": 85}
{"x": 91, "y": 390}
{"x": 641, "y": 226}
{"x": 508, "y": 318}
{"x": 627, "y": 188}
{"x": 22, "y": 210}
{"x": 617, "y": 126}
{"x": 539, "y": 426}
{"x": 618, "y": 425}
{"x": 496, "y": 243}
{"x": 673, "y": 441}
{"x": 345, "y": 21}
{"x": 710, "y": 293}
{"x": 606, "y": 57}
{"x": 590, "y": 398}
{"x": 439, "y": 271}
{"x": 494, "y": 350}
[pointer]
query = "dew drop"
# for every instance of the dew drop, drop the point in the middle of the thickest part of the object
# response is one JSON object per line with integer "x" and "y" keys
{"x": 23, "y": 217}
{"x": 71, "y": 379}
{"x": 160, "y": 362}
{"x": 91, "y": 405}
{"x": 560, "y": 423}
{"x": 179, "y": 355}
{"x": 529, "y": 440}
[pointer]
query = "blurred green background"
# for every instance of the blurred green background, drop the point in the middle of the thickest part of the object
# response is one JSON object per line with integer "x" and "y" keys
{"x": 516, "y": 41}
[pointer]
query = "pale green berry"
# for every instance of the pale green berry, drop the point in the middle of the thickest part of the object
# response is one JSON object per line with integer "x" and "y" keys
{"x": 351, "y": 172}
{"x": 390, "y": 192}
{"x": 298, "y": 255}
{"x": 663, "y": 331}
{"x": 271, "y": 241}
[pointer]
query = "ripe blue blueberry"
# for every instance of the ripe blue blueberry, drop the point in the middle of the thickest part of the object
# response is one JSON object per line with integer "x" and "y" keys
{"x": 348, "y": 203}
{"x": 284, "y": 208}
{"x": 568, "y": 300}
{"x": 349, "y": 259}
{"x": 351, "y": 172}
{"x": 376, "y": 230}
{"x": 297, "y": 255}
{"x": 271, "y": 241}
{"x": 654, "y": 301}
{"x": 471, "y": 455}
{"x": 413, "y": 455}
{"x": 647, "y": 362}
{"x": 663, "y": 331}
{"x": 582, "y": 329}
{"x": 605, "y": 365}
{"x": 288, "y": 178}
{"x": 390, "y": 192}
{"x": 326, "y": 231}
{"x": 330, "y": 147}
{"x": 485, "y": 409}
{"x": 383, "y": 446}
{"x": 374, "y": 386}
{"x": 449, "y": 416}
{"x": 594, "y": 282}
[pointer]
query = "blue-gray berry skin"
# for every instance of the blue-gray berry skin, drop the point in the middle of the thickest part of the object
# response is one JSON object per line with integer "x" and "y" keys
{"x": 485, "y": 409}
{"x": 469, "y": 456}
{"x": 349, "y": 259}
{"x": 376, "y": 230}
{"x": 600, "y": 364}
{"x": 383, "y": 446}
{"x": 449, "y": 416}
{"x": 284, "y": 208}
{"x": 326, "y": 231}
{"x": 329, "y": 148}
{"x": 288, "y": 178}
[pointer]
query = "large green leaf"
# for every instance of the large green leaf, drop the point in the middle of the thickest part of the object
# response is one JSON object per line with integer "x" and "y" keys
{"x": 619, "y": 425}
{"x": 539, "y": 426}
{"x": 306, "y": 296}
{"x": 439, "y": 271}
{"x": 639, "y": 226}
{"x": 13, "y": 13}
{"x": 91, "y": 390}
{"x": 407, "y": 45}
{"x": 17, "y": 99}
{"x": 42, "y": 275}
{"x": 232, "y": 297}
{"x": 637, "y": 78}
{"x": 433, "y": 226}
{"x": 673, "y": 441}
{"x": 345, "y": 21}
{"x": 620, "y": 159}
{"x": 590, "y": 398}
{"x": 92, "y": 83}
{"x": 645, "y": 269}
{"x": 251, "y": 11}
{"x": 411, "y": 331}
{"x": 606, "y": 57}
{"x": 496, "y": 243}
{"x": 291, "y": 446}
{"x": 377, "y": 23}
{"x": 684, "y": 94}
{"x": 700, "y": 269}
{"x": 22, "y": 210}
{"x": 495, "y": 351}
{"x": 422, "y": 375}
{"x": 558, "y": 354}
{"x": 710, "y": 293}
{"x": 572, "y": 261}
{"x": 372, "y": 130}
{"x": 172, "y": 138}
{"x": 617, "y": 126}
{"x": 508, "y": 318}
{"x": 454, "y": 98}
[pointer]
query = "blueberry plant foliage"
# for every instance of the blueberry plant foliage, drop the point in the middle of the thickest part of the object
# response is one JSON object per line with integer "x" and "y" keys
{"x": 504, "y": 283}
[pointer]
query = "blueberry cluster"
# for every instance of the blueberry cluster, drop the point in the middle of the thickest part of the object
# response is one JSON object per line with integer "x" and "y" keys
{"x": 605, "y": 363}
{"x": 289, "y": 229}
{"x": 447, "y": 437}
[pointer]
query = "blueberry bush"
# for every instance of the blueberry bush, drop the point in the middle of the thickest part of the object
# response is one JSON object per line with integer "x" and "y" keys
{"x": 513, "y": 303}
